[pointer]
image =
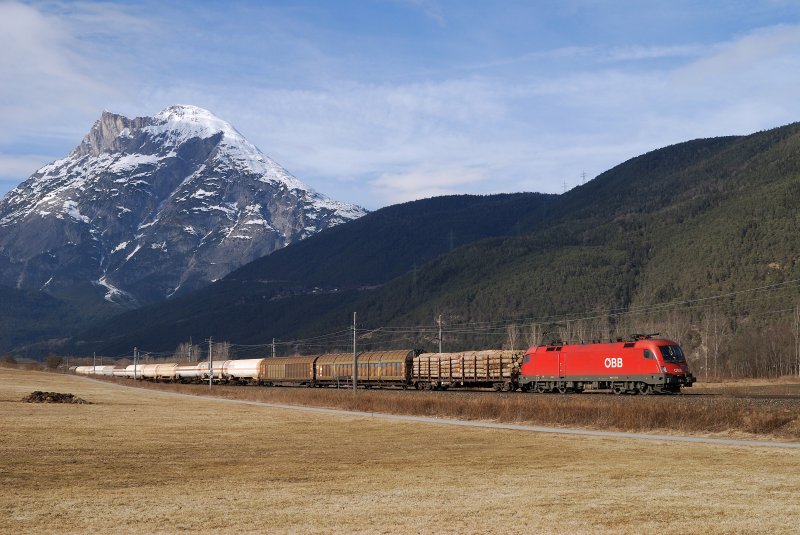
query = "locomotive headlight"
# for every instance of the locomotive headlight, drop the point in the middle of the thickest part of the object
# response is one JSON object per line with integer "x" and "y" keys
{"x": 664, "y": 369}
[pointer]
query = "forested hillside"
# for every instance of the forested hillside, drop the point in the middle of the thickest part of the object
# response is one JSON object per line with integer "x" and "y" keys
{"x": 290, "y": 288}
{"x": 27, "y": 317}
{"x": 675, "y": 241}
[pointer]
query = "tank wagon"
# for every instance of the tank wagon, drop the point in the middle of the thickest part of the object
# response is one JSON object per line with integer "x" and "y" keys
{"x": 94, "y": 370}
{"x": 643, "y": 365}
{"x": 157, "y": 372}
{"x": 186, "y": 373}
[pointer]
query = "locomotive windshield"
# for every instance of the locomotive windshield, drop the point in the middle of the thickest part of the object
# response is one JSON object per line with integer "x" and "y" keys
{"x": 672, "y": 354}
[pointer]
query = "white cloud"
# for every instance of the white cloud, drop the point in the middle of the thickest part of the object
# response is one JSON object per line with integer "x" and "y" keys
{"x": 425, "y": 181}
{"x": 751, "y": 51}
{"x": 17, "y": 167}
{"x": 430, "y": 8}
{"x": 639, "y": 52}
{"x": 54, "y": 75}
{"x": 533, "y": 122}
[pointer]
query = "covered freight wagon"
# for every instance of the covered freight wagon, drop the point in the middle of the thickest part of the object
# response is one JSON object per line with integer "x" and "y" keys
{"x": 385, "y": 368}
{"x": 287, "y": 371}
{"x": 335, "y": 369}
{"x": 375, "y": 369}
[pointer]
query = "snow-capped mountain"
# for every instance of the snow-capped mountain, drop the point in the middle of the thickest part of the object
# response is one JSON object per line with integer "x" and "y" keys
{"x": 149, "y": 207}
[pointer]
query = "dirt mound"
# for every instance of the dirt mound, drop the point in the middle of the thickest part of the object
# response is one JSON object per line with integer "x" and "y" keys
{"x": 52, "y": 397}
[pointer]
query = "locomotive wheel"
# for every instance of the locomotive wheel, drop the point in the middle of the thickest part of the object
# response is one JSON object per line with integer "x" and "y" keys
{"x": 561, "y": 389}
{"x": 541, "y": 388}
{"x": 645, "y": 389}
{"x": 618, "y": 389}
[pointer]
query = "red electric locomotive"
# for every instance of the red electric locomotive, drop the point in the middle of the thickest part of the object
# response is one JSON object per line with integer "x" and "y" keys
{"x": 642, "y": 365}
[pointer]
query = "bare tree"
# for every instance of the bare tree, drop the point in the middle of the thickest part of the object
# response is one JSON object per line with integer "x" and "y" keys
{"x": 581, "y": 331}
{"x": 222, "y": 351}
{"x": 187, "y": 352}
{"x": 778, "y": 359}
{"x": 715, "y": 330}
{"x": 566, "y": 331}
{"x": 534, "y": 335}
{"x": 676, "y": 326}
{"x": 796, "y": 334}
{"x": 512, "y": 336}
{"x": 601, "y": 329}
{"x": 705, "y": 342}
{"x": 720, "y": 331}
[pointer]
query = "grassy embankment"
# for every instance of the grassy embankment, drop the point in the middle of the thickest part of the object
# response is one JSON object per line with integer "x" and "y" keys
{"x": 140, "y": 461}
{"x": 713, "y": 415}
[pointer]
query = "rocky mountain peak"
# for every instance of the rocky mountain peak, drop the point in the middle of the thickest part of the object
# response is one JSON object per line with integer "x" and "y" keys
{"x": 104, "y": 135}
{"x": 149, "y": 207}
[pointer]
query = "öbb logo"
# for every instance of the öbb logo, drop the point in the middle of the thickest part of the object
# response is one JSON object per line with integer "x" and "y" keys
{"x": 613, "y": 362}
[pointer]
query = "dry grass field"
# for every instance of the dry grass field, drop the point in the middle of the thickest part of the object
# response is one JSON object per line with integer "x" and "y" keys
{"x": 782, "y": 386}
{"x": 138, "y": 461}
{"x": 717, "y": 415}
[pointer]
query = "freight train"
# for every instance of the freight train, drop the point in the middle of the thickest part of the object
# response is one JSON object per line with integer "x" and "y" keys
{"x": 642, "y": 365}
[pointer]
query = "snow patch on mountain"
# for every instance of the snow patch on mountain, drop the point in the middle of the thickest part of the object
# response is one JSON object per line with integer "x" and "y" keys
{"x": 70, "y": 208}
{"x": 113, "y": 294}
{"x": 129, "y": 162}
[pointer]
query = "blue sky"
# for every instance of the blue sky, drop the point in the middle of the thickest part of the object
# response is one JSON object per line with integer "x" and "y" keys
{"x": 383, "y": 101}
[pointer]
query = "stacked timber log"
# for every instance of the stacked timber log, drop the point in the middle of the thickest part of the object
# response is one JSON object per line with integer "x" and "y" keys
{"x": 467, "y": 367}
